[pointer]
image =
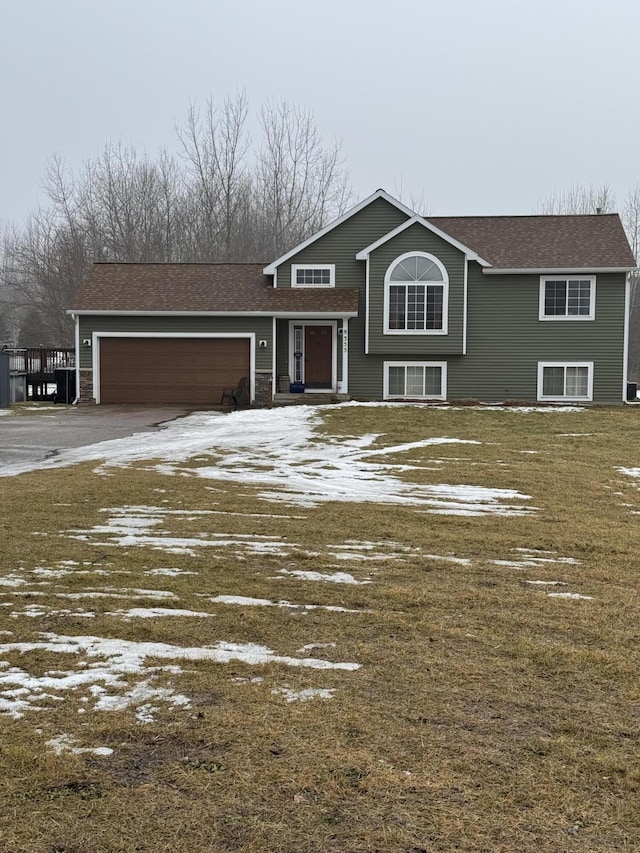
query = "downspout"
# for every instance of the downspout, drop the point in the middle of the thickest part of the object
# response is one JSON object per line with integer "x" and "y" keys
{"x": 625, "y": 353}
{"x": 366, "y": 309}
{"x": 464, "y": 307}
{"x": 76, "y": 320}
{"x": 274, "y": 385}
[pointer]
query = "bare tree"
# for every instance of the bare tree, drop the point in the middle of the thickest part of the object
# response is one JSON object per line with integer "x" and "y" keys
{"x": 44, "y": 267}
{"x": 579, "y": 199}
{"x": 215, "y": 148}
{"x": 223, "y": 202}
{"x": 300, "y": 183}
{"x": 417, "y": 203}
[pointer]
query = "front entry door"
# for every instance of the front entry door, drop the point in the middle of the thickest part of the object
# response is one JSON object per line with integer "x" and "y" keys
{"x": 317, "y": 356}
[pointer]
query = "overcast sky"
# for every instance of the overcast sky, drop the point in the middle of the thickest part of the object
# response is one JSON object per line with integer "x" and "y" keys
{"x": 478, "y": 106}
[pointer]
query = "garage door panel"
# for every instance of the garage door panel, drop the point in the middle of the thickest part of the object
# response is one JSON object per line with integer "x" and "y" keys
{"x": 171, "y": 370}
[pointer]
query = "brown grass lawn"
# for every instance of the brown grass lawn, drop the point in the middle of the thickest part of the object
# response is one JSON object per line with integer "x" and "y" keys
{"x": 485, "y": 715}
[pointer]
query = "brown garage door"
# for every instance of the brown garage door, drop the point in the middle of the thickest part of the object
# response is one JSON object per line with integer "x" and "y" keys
{"x": 171, "y": 370}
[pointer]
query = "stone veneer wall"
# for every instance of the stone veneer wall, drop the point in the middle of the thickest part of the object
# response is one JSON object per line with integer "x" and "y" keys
{"x": 264, "y": 389}
{"x": 85, "y": 391}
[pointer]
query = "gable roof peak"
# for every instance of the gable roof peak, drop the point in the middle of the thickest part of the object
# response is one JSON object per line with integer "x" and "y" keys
{"x": 379, "y": 193}
{"x": 471, "y": 254}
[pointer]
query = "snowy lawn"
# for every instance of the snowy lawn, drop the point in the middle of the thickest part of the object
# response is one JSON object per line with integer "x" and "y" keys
{"x": 395, "y": 628}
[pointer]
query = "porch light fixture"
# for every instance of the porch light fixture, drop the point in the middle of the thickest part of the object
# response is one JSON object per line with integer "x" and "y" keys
{"x": 262, "y": 344}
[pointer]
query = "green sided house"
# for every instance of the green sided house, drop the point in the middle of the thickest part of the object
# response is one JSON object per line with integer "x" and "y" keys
{"x": 381, "y": 304}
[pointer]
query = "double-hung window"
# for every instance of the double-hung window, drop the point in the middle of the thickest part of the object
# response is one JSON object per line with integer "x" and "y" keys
{"x": 565, "y": 381}
{"x": 416, "y": 292}
{"x": 570, "y": 298}
{"x": 415, "y": 380}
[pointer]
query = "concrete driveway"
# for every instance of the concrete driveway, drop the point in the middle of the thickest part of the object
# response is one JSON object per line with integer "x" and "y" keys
{"x": 34, "y": 437}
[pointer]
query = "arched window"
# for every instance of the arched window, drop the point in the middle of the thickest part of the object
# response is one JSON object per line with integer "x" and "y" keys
{"x": 416, "y": 291}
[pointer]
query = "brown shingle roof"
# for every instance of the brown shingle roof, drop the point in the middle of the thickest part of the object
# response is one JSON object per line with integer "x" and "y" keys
{"x": 201, "y": 288}
{"x": 543, "y": 242}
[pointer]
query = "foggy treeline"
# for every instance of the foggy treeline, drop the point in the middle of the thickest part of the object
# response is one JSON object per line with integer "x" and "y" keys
{"x": 222, "y": 197}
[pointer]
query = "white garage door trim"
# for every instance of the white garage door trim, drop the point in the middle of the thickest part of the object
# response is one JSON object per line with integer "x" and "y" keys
{"x": 95, "y": 345}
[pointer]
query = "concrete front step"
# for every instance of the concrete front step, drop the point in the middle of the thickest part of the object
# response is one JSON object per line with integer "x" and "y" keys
{"x": 308, "y": 399}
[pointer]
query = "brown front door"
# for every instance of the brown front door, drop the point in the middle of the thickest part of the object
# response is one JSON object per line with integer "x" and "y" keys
{"x": 317, "y": 356}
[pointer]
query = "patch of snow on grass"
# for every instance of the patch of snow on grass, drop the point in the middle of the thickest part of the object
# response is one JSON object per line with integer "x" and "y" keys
{"x": 12, "y": 580}
{"x": 303, "y": 695}
{"x": 245, "y": 601}
{"x": 120, "y": 661}
{"x": 460, "y": 561}
{"x": 118, "y": 592}
{"x": 522, "y": 410}
{"x": 279, "y": 451}
{"x": 630, "y": 472}
{"x": 156, "y": 612}
{"x": 534, "y": 557}
{"x": 353, "y": 549}
{"x": 138, "y": 697}
{"x": 131, "y": 526}
{"x": 548, "y": 583}
{"x": 66, "y": 743}
{"x": 169, "y": 573}
{"x": 311, "y": 646}
{"x": 37, "y": 611}
{"x": 569, "y": 595}
{"x": 334, "y": 577}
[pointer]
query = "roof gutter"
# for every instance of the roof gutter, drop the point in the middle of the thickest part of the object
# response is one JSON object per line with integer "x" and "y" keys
{"x": 554, "y": 270}
{"x": 278, "y": 314}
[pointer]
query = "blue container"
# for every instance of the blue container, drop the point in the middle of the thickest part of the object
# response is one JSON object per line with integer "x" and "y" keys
{"x": 296, "y": 388}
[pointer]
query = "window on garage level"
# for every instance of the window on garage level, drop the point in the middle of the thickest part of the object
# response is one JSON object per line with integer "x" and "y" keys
{"x": 561, "y": 382}
{"x": 415, "y": 380}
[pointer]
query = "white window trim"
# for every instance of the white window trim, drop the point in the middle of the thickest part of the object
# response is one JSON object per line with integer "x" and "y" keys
{"x": 564, "y": 399}
{"x": 445, "y": 296}
{"x": 385, "y": 379}
{"x": 296, "y": 267}
{"x": 567, "y": 317}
